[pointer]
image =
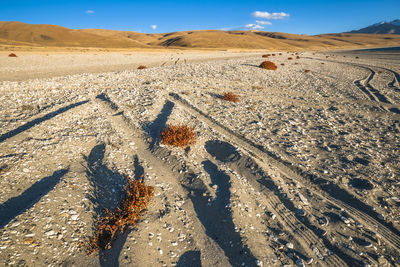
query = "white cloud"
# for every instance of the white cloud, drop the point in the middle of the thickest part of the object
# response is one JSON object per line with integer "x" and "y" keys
{"x": 263, "y": 22}
{"x": 254, "y": 26}
{"x": 267, "y": 15}
{"x": 89, "y": 12}
{"x": 154, "y": 27}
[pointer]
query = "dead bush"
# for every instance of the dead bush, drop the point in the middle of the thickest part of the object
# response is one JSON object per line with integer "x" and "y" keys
{"x": 266, "y": 55}
{"x": 115, "y": 222}
{"x": 307, "y": 71}
{"x": 282, "y": 64}
{"x": 179, "y": 135}
{"x": 12, "y": 55}
{"x": 231, "y": 97}
{"x": 141, "y": 67}
{"x": 297, "y": 57}
{"x": 268, "y": 65}
{"x": 289, "y": 58}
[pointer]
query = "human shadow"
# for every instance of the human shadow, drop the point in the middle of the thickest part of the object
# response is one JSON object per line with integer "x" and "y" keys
{"x": 216, "y": 217}
{"x": 37, "y": 121}
{"x": 247, "y": 167}
{"x": 154, "y": 129}
{"x": 17, "y": 205}
{"x": 107, "y": 193}
{"x": 190, "y": 258}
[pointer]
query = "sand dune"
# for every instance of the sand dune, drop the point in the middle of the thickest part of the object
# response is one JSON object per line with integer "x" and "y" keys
{"x": 39, "y": 35}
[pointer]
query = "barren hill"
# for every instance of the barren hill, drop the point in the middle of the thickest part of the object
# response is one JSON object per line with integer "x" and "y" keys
{"x": 22, "y": 34}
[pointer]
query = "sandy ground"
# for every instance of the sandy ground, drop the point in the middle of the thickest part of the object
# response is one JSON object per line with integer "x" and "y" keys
{"x": 303, "y": 170}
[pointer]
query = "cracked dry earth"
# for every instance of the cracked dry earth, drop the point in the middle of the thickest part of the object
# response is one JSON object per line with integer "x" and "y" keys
{"x": 303, "y": 170}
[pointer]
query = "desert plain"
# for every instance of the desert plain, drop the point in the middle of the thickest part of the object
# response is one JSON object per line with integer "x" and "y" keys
{"x": 302, "y": 170}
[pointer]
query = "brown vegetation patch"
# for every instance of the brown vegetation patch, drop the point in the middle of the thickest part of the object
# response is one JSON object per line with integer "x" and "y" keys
{"x": 180, "y": 136}
{"x": 266, "y": 55}
{"x": 268, "y": 65}
{"x": 231, "y": 97}
{"x": 289, "y": 58}
{"x": 12, "y": 55}
{"x": 297, "y": 57}
{"x": 322, "y": 63}
{"x": 114, "y": 222}
{"x": 282, "y": 64}
{"x": 307, "y": 71}
{"x": 141, "y": 67}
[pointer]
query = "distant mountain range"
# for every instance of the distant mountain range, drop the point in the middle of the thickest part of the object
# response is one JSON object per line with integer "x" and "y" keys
{"x": 384, "y": 27}
{"x": 18, "y": 34}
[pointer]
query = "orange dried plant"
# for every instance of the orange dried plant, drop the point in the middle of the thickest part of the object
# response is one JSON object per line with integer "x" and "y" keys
{"x": 115, "y": 222}
{"x": 12, "y": 55}
{"x": 179, "y": 135}
{"x": 141, "y": 67}
{"x": 268, "y": 65}
{"x": 231, "y": 97}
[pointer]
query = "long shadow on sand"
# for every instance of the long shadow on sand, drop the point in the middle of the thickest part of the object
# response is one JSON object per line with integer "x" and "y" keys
{"x": 246, "y": 167}
{"x": 107, "y": 192}
{"x": 217, "y": 218}
{"x": 154, "y": 129}
{"x": 190, "y": 258}
{"x": 17, "y": 205}
{"x": 37, "y": 121}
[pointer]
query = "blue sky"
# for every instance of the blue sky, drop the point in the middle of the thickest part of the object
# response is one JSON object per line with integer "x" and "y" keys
{"x": 301, "y": 17}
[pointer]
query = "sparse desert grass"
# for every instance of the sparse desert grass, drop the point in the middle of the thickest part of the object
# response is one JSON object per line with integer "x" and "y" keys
{"x": 231, "y": 97}
{"x": 180, "y": 136}
{"x": 256, "y": 87}
{"x": 137, "y": 196}
{"x": 12, "y": 55}
{"x": 269, "y": 65}
{"x": 141, "y": 67}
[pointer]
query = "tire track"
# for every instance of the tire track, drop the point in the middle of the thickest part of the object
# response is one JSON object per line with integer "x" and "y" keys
{"x": 289, "y": 170}
{"x": 309, "y": 241}
{"x": 384, "y": 102}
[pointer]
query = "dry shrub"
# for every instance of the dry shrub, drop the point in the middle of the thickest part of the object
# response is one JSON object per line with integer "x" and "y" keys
{"x": 289, "y": 58}
{"x": 179, "y": 135}
{"x": 296, "y": 63}
{"x": 280, "y": 54}
{"x": 141, "y": 67}
{"x": 297, "y": 57}
{"x": 268, "y": 65}
{"x": 273, "y": 55}
{"x": 115, "y": 222}
{"x": 327, "y": 56}
{"x": 266, "y": 55}
{"x": 12, "y": 55}
{"x": 307, "y": 71}
{"x": 283, "y": 64}
{"x": 231, "y": 97}
{"x": 357, "y": 57}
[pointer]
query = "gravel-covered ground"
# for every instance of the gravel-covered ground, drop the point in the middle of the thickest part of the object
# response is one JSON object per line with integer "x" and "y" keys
{"x": 304, "y": 169}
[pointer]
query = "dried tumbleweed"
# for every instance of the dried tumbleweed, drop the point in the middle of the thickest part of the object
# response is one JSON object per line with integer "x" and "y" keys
{"x": 180, "y": 136}
{"x": 114, "y": 222}
{"x": 231, "y": 97}
{"x": 268, "y": 65}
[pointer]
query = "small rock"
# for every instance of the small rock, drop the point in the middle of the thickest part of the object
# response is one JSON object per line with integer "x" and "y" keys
{"x": 289, "y": 245}
{"x": 28, "y": 240}
{"x": 74, "y": 217}
{"x": 50, "y": 233}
